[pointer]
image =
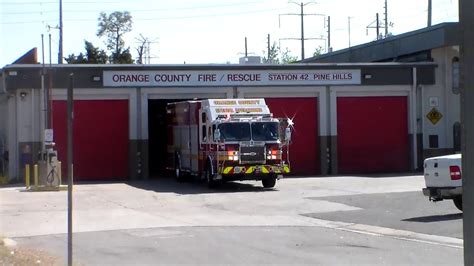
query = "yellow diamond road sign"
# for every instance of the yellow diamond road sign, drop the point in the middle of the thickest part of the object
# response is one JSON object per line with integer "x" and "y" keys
{"x": 434, "y": 116}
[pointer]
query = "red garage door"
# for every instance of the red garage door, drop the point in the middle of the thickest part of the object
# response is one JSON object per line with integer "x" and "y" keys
{"x": 304, "y": 151}
{"x": 100, "y": 137}
{"x": 372, "y": 134}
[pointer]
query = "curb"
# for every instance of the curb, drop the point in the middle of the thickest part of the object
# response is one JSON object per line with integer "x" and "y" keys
{"x": 392, "y": 233}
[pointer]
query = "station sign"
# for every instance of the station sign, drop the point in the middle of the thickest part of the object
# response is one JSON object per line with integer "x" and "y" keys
{"x": 226, "y": 102}
{"x": 196, "y": 78}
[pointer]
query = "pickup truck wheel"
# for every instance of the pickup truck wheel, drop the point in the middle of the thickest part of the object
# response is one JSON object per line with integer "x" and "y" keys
{"x": 458, "y": 202}
{"x": 269, "y": 182}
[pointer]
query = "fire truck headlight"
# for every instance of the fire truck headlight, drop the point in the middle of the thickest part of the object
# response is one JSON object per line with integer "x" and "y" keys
{"x": 232, "y": 155}
{"x": 273, "y": 157}
{"x": 233, "y": 158}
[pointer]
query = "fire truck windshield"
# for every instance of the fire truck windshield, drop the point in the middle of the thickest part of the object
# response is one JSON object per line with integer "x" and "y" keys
{"x": 264, "y": 131}
{"x": 243, "y": 131}
{"x": 235, "y": 131}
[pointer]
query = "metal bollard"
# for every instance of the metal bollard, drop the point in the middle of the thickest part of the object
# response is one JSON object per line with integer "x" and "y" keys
{"x": 27, "y": 176}
{"x": 59, "y": 172}
{"x": 35, "y": 175}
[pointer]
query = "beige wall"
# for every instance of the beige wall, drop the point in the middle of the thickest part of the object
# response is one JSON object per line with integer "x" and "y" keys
{"x": 3, "y": 126}
{"x": 3, "y": 122}
{"x": 448, "y": 102}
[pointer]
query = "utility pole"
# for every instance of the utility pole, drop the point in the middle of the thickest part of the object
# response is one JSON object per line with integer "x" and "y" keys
{"x": 429, "y": 12}
{"x": 49, "y": 107}
{"x": 70, "y": 182}
{"x": 302, "y": 32}
{"x": 246, "y": 51}
{"x": 466, "y": 21}
{"x": 349, "y": 27}
{"x": 60, "y": 53}
{"x": 377, "y": 26}
{"x": 329, "y": 34}
{"x": 386, "y": 19}
{"x": 302, "y": 14}
{"x": 268, "y": 47}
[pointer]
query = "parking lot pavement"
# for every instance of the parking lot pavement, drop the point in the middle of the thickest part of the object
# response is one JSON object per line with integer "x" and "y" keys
{"x": 243, "y": 245}
{"x": 336, "y": 205}
{"x": 409, "y": 211}
{"x": 164, "y": 203}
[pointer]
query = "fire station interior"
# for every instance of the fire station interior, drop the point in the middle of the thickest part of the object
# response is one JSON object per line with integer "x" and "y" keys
{"x": 157, "y": 130}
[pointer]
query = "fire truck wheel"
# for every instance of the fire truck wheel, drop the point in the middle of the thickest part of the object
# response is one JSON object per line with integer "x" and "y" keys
{"x": 177, "y": 169}
{"x": 269, "y": 182}
{"x": 211, "y": 183}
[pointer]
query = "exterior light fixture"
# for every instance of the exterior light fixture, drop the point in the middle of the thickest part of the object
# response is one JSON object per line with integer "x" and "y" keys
{"x": 23, "y": 95}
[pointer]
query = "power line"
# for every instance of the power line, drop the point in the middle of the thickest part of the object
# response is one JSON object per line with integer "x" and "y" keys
{"x": 130, "y": 10}
{"x": 163, "y": 9}
{"x": 162, "y": 18}
{"x": 67, "y": 2}
{"x": 27, "y": 22}
{"x": 31, "y": 12}
{"x": 27, "y": 3}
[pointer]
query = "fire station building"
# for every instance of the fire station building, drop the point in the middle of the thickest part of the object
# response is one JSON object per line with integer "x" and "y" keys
{"x": 349, "y": 118}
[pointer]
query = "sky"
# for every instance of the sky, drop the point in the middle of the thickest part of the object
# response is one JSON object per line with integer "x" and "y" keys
{"x": 209, "y": 31}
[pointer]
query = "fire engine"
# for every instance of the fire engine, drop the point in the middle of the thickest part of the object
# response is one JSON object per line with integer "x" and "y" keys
{"x": 227, "y": 139}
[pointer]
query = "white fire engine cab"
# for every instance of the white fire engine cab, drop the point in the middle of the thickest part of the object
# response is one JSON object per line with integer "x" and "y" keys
{"x": 227, "y": 139}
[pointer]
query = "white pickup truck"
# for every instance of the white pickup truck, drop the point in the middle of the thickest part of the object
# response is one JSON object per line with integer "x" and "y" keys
{"x": 443, "y": 179}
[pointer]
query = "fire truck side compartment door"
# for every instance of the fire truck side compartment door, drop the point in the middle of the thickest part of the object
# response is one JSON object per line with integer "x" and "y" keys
{"x": 194, "y": 147}
{"x": 184, "y": 147}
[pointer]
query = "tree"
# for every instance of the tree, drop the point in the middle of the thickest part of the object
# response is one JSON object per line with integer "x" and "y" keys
{"x": 276, "y": 56}
{"x": 114, "y": 26}
{"x": 141, "y": 49}
{"x": 73, "y": 59}
{"x": 93, "y": 55}
{"x": 318, "y": 51}
{"x": 287, "y": 57}
{"x": 124, "y": 57}
{"x": 273, "y": 55}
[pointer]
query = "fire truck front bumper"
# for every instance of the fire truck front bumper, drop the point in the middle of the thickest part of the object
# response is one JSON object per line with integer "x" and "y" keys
{"x": 256, "y": 170}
